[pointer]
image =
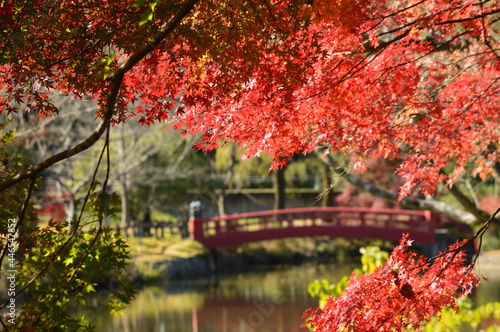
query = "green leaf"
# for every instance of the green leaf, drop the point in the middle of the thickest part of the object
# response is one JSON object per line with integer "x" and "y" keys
{"x": 68, "y": 261}
{"x": 90, "y": 289}
{"x": 137, "y": 3}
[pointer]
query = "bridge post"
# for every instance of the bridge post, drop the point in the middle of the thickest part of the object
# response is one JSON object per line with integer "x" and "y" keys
{"x": 195, "y": 221}
{"x": 314, "y": 218}
{"x": 431, "y": 220}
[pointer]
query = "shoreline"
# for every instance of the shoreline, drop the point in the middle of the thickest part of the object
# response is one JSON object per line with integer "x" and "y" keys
{"x": 212, "y": 264}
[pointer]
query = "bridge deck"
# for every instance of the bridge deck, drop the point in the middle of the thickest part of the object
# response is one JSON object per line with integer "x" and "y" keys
{"x": 385, "y": 224}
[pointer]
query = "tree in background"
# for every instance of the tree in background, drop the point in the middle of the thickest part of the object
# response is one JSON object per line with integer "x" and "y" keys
{"x": 415, "y": 80}
{"x": 145, "y": 162}
{"x": 39, "y": 138}
{"x": 301, "y": 172}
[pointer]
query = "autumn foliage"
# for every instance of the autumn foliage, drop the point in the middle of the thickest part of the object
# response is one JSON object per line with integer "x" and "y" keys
{"x": 407, "y": 291}
{"x": 413, "y": 79}
{"x": 416, "y": 81}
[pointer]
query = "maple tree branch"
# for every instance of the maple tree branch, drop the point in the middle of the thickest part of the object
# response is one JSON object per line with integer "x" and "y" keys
{"x": 420, "y": 19}
{"x": 468, "y": 204}
{"x": 13, "y": 31}
{"x": 116, "y": 81}
{"x": 155, "y": 41}
{"x": 3, "y": 325}
{"x": 354, "y": 70}
{"x": 20, "y": 220}
{"x": 481, "y": 16}
{"x": 435, "y": 49}
{"x": 66, "y": 58}
{"x": 270, "y": 10}
{"x": 433, "y": 205}
{"x": 478, "y": 235}
{"x": 374, "y": 53}
{"x": 393, "y": 14}
{"x": 485, "y": 37}
{"x": 403, "y": 10}
{"x": 76, "y": 226}
{"x": 99, "y": 229}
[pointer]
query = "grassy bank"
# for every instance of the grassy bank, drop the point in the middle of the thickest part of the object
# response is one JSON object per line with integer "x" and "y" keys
{"x": 150, "y": 256}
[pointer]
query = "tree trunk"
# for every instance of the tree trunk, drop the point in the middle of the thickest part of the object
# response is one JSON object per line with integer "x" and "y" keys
{"x": 220, "y": 203}
{"x": 279, "y": 188}
{"x": 228, "y": 177}
{"x": 326, "y": 198}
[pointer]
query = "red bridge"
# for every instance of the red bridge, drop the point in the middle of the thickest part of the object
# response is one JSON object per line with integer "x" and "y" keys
{"x": 386, "y": 224}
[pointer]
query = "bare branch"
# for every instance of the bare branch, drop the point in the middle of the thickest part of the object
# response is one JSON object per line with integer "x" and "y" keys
{"x": 433, "y": 205}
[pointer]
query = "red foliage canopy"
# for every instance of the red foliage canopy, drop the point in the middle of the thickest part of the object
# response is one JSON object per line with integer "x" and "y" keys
{"x": 405, "y": 292}
{"x": 415, "y": 79}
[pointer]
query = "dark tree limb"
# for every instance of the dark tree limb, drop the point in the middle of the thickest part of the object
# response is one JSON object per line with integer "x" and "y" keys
{"x": 463, "y": 216}
{"x": 468, "y": 204}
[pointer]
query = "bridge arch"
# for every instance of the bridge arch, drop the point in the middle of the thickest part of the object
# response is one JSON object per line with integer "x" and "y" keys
{"x": 386, "y": 224}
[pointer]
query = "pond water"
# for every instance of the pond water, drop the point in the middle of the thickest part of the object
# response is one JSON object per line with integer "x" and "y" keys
{"x": 259, "y": 300}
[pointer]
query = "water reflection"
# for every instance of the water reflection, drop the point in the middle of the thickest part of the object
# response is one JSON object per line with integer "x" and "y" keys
{"x": 259, "y": 300}
{"x": 487, "y": 291}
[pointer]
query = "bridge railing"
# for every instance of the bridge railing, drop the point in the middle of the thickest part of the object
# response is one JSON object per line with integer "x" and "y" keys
{"x": 355, "y": 222}
{"x": 157, "y": 229}
{"x": 250, "y": 222}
